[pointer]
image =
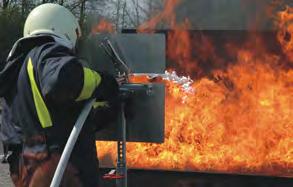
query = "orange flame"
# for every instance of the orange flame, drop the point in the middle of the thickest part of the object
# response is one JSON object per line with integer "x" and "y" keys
{"x": 166, "y": 15}
{"x": 238, "y": 121}
{"x": 285, "y": 34}
{"x": 103, "y": 26}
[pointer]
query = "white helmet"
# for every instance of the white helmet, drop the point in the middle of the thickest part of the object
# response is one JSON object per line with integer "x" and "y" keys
{"x": 53, "y": 19}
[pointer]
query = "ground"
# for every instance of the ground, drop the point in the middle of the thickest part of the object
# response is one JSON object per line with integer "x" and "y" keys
{"x": 4, "y": 176}
{"x": 4, "y": 172}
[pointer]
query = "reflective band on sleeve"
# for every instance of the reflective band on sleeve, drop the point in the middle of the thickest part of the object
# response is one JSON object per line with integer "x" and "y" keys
{"x": 99, "y": 104}
{"x": 42, "y": 110}
{"x": 90, "y": 82}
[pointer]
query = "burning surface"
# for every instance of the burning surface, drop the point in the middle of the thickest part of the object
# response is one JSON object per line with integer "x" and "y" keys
{"x": 239, "y": 119}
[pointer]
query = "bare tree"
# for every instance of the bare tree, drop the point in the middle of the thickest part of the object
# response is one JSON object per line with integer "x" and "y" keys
{"x": 82, "y": 12}
{"x": 118, "y": 13}
{"x": 137, "y": 11}
{"x": 123, "y": 15}
{"x": 5, "y": 4}
{"x": 23, "y": 7}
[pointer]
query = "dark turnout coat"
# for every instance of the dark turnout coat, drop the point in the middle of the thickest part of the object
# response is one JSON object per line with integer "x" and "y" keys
{"x": 44, "y": 87}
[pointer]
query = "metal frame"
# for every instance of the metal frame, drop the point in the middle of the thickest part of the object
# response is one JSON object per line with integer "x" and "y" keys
{"x": 121, "y": 153}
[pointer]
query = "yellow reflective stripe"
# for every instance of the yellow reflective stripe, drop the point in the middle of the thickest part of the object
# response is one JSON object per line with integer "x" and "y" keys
{"x": 42, "y": 111}
{"x": 90, "y": 81}
{"x": 99, "y": 104}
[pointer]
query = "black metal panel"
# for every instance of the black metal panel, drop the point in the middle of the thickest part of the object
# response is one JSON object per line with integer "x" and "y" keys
{"x": 143, "y": 53}
{"x": 144, "y": 115}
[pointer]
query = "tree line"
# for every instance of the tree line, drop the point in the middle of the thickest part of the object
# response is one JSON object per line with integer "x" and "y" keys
{"x": 121, "y": 13}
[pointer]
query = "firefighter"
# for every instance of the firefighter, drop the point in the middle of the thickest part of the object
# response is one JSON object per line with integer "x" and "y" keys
{"x": 44, "y": 87}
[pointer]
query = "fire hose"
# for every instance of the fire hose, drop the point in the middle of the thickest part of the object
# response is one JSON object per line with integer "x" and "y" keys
{"x": 70, "y": 143}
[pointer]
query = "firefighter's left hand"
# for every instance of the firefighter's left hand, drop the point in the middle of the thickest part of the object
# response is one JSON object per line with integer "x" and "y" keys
{"x": 122, "y": 79}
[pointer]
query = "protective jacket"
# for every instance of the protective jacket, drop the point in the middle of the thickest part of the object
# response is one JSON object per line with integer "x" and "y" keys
{"x": 45, "y": 87}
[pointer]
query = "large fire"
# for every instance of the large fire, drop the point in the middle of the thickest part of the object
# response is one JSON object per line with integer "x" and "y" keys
{"x": 239, "y": 119}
